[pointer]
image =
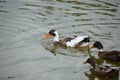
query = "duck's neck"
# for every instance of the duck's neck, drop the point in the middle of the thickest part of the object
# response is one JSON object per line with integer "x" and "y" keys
{"x": 56, "y": 38}
{"x": 93, "y": 65}
{"x": 100, "y": 50}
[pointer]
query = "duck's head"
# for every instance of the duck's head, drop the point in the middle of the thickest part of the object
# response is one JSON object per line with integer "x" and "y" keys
{"x": 51, "y": 33}
{"x": 97, "y": 45}
{"x": 91, "y": 62}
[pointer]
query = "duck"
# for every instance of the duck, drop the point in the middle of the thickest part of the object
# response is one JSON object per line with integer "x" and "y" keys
{"x": 106, "y": 71}
{"x": 75, "y": 41}
{"x": 112, "y": 55}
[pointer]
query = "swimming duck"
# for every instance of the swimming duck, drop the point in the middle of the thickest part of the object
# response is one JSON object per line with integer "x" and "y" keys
{"x": 109, "y": 55}
{"x": 75, "y": 41}
{"x": 104, "y": 70}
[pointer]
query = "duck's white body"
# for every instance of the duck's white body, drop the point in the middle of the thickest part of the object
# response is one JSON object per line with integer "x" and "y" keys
{"x": 70, "y": 41}
{"x": 76, "y": 41}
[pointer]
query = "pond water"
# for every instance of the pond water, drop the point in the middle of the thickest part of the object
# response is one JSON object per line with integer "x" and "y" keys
{"x": 26, "y": 55}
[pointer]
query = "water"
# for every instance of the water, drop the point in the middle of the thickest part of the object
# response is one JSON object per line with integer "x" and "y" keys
{"x": 26, "y": 55}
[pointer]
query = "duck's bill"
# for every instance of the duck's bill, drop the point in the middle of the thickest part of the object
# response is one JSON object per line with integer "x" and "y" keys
{"x": 47, "y": 36}
{"x": 85, "y": 62}
{"x": 90, "y": 47}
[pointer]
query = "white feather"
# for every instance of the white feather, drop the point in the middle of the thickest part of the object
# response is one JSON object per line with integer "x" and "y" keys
{"x": 56, "y": 38}
{"x": 75, "y": 41}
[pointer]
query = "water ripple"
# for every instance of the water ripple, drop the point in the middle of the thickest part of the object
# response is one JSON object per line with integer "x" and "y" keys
{"x": 24, "y": 23}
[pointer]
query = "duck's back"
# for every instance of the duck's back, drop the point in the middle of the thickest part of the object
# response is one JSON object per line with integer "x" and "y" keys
{"x": 79, "y": 40}
{"x": 105, "y": 72}
{"x": 110, "y": 55}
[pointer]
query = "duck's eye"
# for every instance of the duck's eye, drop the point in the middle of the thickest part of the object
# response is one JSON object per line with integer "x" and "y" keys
{"x": 52, "y": 32}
